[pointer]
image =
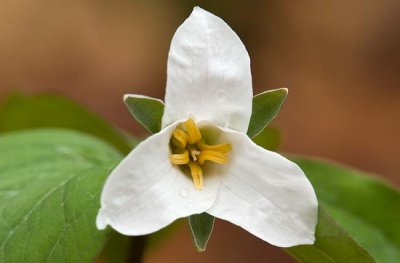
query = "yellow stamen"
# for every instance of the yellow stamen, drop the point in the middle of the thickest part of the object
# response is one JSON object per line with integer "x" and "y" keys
{"x": 222, "y": 148}
{"x": 179, "y": 138}
{"x": 214, "y": 156}
{"x": 192, "y": 131}
{"x": 197, "y": 175}
{"x": 190, "y": 150}
{"x": 180, "y": 158}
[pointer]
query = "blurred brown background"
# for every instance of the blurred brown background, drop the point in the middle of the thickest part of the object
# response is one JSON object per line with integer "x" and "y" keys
{"x": 339, "y": 59}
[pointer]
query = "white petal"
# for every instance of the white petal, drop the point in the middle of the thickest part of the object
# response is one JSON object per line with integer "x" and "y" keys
{"x": 208, "y": 74}
{"x": 145, "y": 192}
{"x": 265, "y": 194}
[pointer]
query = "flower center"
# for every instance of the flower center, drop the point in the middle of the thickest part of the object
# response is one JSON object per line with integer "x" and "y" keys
{"x": 190, "y": 150}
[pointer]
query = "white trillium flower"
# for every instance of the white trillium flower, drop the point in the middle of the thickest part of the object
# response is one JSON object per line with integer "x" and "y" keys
{"x": 202, "y": 160}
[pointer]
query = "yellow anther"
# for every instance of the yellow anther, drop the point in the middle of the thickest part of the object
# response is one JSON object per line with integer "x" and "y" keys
{"x": 222, "y": 148}
{"x": 179, "y": 138}
{"x": 213, "y": 156}
{"x": 191, "y": 151}
{"x": 197, "y": 175}
{"x": 180, "y": 158}
{"x": 193, "y": 132}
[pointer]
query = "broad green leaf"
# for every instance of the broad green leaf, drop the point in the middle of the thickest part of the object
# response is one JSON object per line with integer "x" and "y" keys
{"x": 332, "y": 245}
{"x": 201, "y": 226}
{"x": 269, "y": 138}
{"x": 19, "y": 112}
{"x": 49, "y": 195}
{"x": 147, "y": 111}
{"x": 367, "y": 208}
{"x": 266, "y": 106}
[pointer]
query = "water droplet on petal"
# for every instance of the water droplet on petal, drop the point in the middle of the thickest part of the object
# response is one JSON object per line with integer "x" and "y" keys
{"x": 184, "y": 193}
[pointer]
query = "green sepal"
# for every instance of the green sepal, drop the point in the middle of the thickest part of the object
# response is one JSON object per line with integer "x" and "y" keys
{"x": 201, "y": 226}
{"x": 147, "y": 111}
{"x": 266, "y": 106}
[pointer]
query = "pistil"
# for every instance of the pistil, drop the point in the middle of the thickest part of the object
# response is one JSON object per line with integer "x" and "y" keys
{"x": 194, "y": 153}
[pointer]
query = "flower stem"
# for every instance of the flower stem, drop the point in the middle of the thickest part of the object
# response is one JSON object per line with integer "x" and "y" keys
{"x": 137, "y": 247}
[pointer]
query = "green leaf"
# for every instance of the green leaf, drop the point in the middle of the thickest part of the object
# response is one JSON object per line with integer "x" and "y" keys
{"x": 201, "y": 226}
{"x": 147, "y": 111}
{"x": 367, "y": 208}
{"x": 266, "y": 106}
{"x": 49, "y": 195}
{"x": 332, "y": 245}
{"x": 19, "y": 112}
